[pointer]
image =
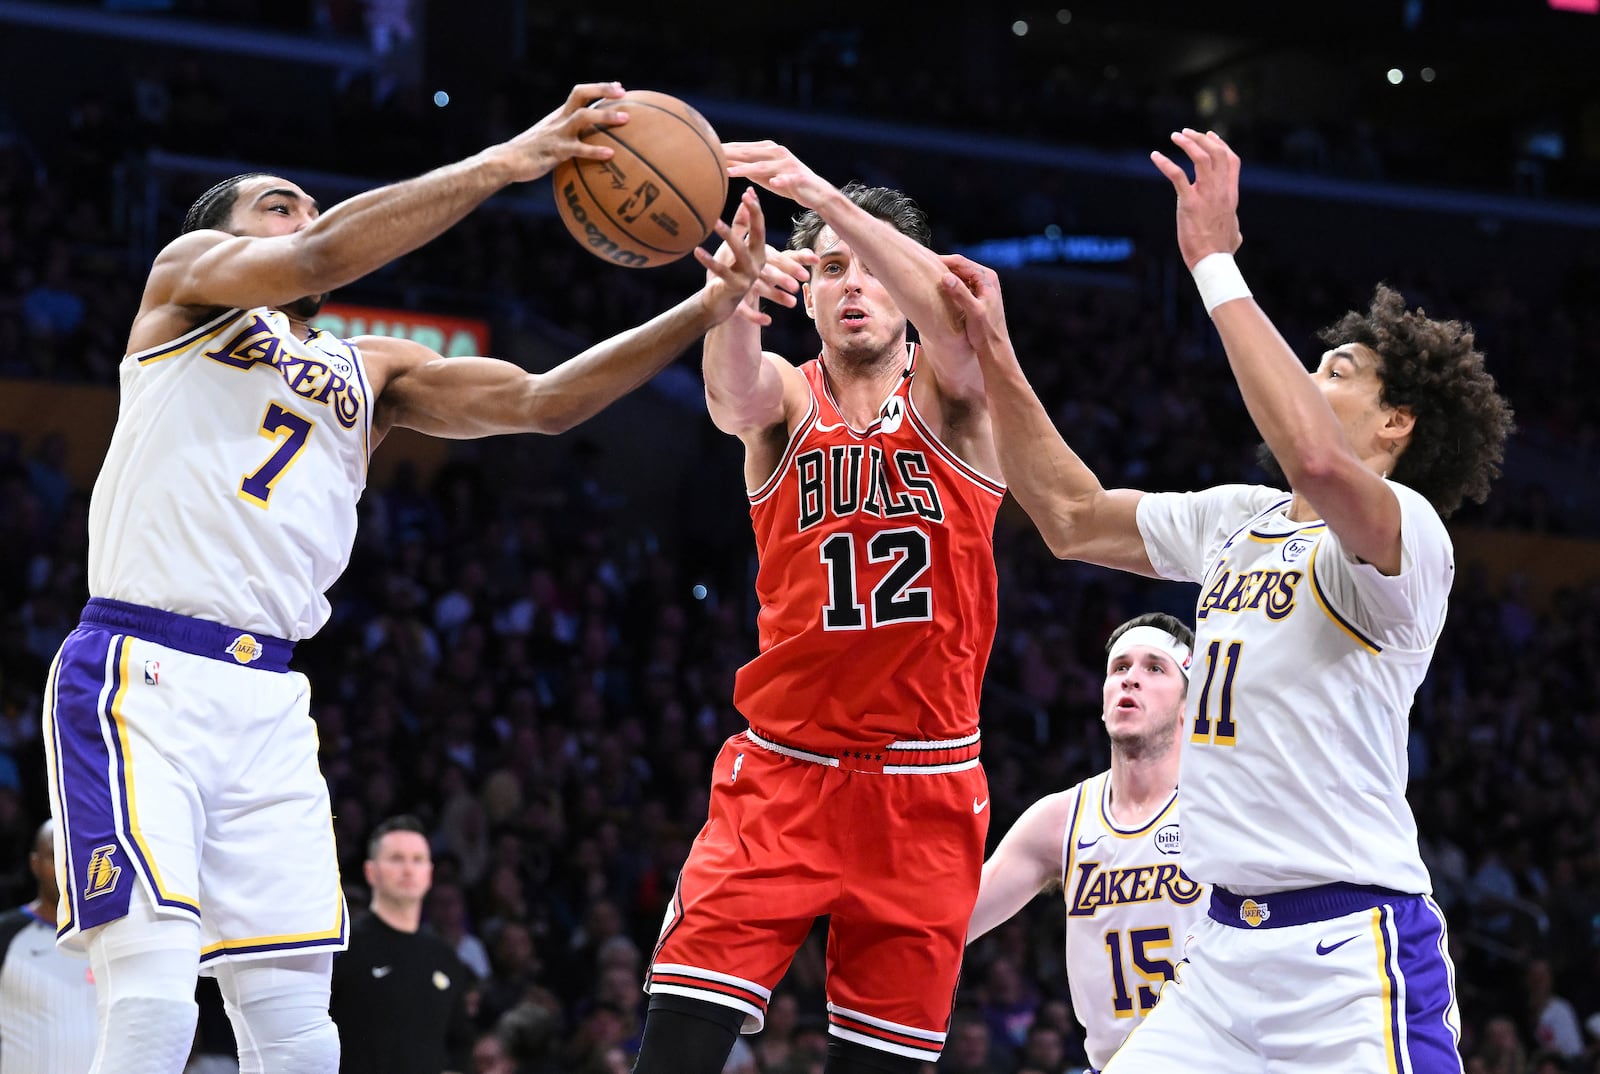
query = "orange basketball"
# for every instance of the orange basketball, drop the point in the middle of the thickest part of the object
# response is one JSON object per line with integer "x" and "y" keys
{"x": 659, "y": 194}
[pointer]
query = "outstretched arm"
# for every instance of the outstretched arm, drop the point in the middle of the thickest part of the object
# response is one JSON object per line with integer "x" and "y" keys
{"x": 1289, "y": 411}
{"x": 1076, "y": 516}
{"x": 358, "y": 236}
{"x": 908, "y": 270}
{"x": 462, "y": 398}
{"x": 1027, "y": 861}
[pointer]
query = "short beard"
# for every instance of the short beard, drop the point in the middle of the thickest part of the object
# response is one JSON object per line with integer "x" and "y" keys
{"x": 1149, "y": 747}
{"x": 303, "y": 309}
{"x": 1268, "y": 462}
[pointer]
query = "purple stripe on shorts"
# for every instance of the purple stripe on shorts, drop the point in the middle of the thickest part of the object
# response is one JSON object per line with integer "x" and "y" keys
{"x": 1424, "y": 968}
{"x": 101, "y": 876}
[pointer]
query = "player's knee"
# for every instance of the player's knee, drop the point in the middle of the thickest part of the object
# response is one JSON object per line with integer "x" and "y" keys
{"x": 848, "y": 1057}
{"x": 147, "y": 1034}
{"x": 687, "y": 1036}
{"x": 311, "y": 1046}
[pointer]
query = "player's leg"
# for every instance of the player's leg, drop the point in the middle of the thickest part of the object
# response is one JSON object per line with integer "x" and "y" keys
{"x": 758, "y": 875}
{"x": 898, "y": 934}
{"x": 279, "y": 1010}
{"x": 144, "y": 965}
{"x": 686, "y": 1035}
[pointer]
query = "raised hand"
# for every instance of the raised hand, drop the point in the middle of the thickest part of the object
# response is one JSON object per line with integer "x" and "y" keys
{"x": 1208, "y": 207}
{"x": 555, "y": 138}
{"x": 973, "y": 302}
{"x": 735, "y": 273}
{"x": 773, "y": 166}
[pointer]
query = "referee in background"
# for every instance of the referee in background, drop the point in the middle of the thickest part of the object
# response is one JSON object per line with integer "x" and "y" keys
{"x": 400, "y": 993}
{"x": 47, "y": 1013}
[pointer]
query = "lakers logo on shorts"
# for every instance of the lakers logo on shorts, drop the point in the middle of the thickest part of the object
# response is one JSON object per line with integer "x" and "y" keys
{"x": 245, "y": 649}
{"x": 1253, "y": 913}
{"x": 102, "y": 874}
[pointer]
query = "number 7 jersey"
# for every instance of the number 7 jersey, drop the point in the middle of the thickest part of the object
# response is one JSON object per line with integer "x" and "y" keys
{"x": 877, "y": 582}
{"x": 229, "y": 490}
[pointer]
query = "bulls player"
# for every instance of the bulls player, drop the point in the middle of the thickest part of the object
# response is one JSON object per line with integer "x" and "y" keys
{"x": 857, "y": 790}
{"x": 1111, "y": 844}
{"x": 1319, "y": 608}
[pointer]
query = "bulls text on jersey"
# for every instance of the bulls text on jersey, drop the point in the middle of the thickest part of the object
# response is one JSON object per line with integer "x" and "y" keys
{"x": 847, "y": 479}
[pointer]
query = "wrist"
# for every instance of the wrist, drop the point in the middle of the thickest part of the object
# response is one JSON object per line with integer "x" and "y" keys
{"x": 1219, "y": 280}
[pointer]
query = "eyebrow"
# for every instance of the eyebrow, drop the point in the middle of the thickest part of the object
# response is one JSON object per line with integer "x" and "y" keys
{"x": 285, "y": 192}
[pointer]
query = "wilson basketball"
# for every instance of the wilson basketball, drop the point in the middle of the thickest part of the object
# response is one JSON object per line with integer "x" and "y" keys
{"x": 659, "y": 194}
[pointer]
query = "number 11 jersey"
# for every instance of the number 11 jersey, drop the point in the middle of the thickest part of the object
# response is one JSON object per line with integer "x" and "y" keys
{"x": 229, "y": 490}
{"x": 876, "y": 581}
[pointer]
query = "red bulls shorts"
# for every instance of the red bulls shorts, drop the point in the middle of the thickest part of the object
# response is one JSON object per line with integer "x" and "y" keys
{"x": 889, "y": 843}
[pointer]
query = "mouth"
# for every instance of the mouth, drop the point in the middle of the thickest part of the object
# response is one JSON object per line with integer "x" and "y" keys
{"x": 1127, "y": 704}
{"x": 853, "y": 315}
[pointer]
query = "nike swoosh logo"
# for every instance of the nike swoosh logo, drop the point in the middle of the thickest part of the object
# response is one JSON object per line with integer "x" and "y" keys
{"x": 1328, "y": 949}
{"x": 979, "y": 807}
{"x": 1085, "y": 846}
{"x": 381, "y": 971}
{"x": 824, "y": 428}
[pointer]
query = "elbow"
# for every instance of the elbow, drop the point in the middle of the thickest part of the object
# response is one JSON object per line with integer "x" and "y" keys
{"x": 547, "y": 410}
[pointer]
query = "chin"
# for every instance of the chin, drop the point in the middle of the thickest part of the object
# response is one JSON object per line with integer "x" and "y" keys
{"x": 304, "y": 308}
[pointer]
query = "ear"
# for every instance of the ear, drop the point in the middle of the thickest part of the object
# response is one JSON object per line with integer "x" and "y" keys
{"x": 1398, "y": 425}
{"x": 369, "y": 869}
{"x": 806, "y": 300}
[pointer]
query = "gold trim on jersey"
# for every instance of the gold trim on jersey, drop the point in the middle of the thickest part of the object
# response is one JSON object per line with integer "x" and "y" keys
{"x": 125, "y": 755}
{"x": 1327, "y": 607}
{"x": 1122, "y": 833}
{"x": 188, "y": 339}
{"x": 1380, "y": 947}
{"x": 257, "y": 943}
{"x": 1278, "y": 538}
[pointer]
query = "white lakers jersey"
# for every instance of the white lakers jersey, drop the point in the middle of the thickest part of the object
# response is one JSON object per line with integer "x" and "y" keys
{"x": 229, "y": 489}
{"x": 1306, "y": 661}
{"x": 1130, "y": 910}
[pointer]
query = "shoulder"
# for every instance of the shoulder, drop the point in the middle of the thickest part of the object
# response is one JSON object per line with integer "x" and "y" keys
{"x": 387, "y": 358}
{"x": 1418, "y": 513}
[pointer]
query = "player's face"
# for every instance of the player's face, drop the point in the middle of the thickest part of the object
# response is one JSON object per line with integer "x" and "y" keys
{"x": 855, "y": 315}
{"x": 267, "y": 207}
{"x": 403, "y": 869}
{"x": 1349, "y": 381}
{"x": 1143, "y": 694}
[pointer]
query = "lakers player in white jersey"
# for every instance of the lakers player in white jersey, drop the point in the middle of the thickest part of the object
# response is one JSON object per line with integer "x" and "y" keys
{"x": 1112, "y": 844}
{"x": 1319, "y": 608}
{"x": 193, "y": 827}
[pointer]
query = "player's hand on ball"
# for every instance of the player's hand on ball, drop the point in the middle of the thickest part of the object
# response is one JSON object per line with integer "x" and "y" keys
{"x": 735, "y": 270}
{"x": 973, "y": 301}
{"x": 555, "y": 138}
{"x": 773, "y": 166}
{"x": 1208, "y": 208}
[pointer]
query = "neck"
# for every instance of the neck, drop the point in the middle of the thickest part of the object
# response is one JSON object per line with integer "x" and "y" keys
{"x": 1141, "y": 785}
{"x": 44, "y": 910}
{"x": 860, "y": 384}
{"x": 400, "y": 915}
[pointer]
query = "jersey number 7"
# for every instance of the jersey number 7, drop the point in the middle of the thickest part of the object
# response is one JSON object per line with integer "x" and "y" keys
{"x": 294, "y": 432}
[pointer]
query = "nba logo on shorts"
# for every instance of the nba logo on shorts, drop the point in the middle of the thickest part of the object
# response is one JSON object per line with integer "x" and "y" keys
{"x": 244, "y": 649}
{"x": 1253, "y": 913}
{"x": 102, "y": 874}
{"x": 738, "y": 763}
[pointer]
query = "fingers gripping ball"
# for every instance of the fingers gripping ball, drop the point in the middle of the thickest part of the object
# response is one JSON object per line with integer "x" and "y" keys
{"x": 658, "y": 196}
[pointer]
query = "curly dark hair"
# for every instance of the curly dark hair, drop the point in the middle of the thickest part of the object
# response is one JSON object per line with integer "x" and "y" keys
{"x": 212, "y": 209}
{"x": 1435, "y": 369}
{"x": 884, "y": 202}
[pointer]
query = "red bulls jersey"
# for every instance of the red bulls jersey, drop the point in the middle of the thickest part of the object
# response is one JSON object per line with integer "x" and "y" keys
{"x": 877, "y": 582}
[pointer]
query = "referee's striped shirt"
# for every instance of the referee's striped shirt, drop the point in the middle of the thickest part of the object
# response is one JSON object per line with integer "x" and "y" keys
{"x": 47, "y": 1018}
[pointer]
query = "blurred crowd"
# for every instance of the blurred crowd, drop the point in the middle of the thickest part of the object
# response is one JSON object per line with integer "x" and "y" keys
{"x": 543, "y": 672}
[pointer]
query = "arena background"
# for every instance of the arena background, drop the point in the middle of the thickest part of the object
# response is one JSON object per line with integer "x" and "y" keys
{"x": 533, "y": 648}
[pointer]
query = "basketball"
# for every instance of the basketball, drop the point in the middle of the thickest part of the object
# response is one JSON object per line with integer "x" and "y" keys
{"x": 658, "y": 196}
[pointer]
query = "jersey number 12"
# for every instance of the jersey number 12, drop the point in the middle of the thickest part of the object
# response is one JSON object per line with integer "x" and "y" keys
{"x": 893, "y": 598}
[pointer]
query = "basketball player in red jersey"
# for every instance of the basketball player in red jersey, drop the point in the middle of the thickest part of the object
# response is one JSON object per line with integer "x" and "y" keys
{"x": 857, "y": 791}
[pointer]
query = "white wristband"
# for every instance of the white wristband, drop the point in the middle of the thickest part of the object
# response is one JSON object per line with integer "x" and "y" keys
{"x": 1219, "y": 281}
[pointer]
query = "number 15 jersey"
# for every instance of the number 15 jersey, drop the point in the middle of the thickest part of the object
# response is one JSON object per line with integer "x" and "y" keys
{"x": 229, "y": 490}
{"x": 877, "y": 582}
